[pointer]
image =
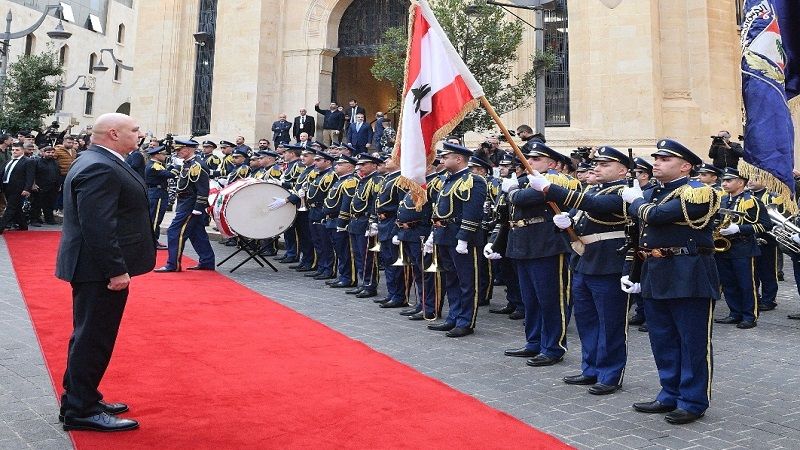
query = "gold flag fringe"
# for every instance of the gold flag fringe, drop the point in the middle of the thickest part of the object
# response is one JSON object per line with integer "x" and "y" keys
{"x": 772, "y": 184}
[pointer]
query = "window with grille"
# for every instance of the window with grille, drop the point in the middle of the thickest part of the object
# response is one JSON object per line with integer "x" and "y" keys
{"x": 204, "y": 70}
{"x": 556, "y": 41}
{"x": 87, "y": 109}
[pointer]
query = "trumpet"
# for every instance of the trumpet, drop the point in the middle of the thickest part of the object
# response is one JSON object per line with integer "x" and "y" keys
{"x": 434, "y": 267}
{"x": 377, "y": 247}
{"x": 783, "y": 229}
{"x": 401, "y": 259}
{"x": 721, "y": 243}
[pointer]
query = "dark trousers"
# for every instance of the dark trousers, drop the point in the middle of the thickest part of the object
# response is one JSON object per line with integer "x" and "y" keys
{"x": 42, "y": 204}
{"x": 680, "y": 337}
{"x": 508, "y": 269}
{"x": 187, "y": 226}
{"x": 601, "y": 313}
{"x": 485, "y": 277}
{"x": 460, "y": 274}
{"x": 290, "y": 239}
{"x": 767, "y": 273}
{"x": 429, "y": 296}
{"x": 739, "y": 287}
{"x": 323, "y": 248}
{"x": 796, "y": 270}
{"x": 544, "y": 289}
{"x": 13, "y": 212}
{"x": 59, "y": 204}
{"x": 96, "y": 316}
{"x": 366, "y": 263}
{"x": 304, "y": 242}
{"x": 345, "y": 262}
{"x": 396, "y": 279}
{"x": 158, "y": 199}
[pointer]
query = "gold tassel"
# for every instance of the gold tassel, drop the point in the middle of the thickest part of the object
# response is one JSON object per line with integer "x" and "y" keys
{"x": 744, "y": 205}
{"x": 701, "y": 194}
{"x": 418, "y": 193}
{"x": 466, "y": 184}
{"x": 772, "y": 184}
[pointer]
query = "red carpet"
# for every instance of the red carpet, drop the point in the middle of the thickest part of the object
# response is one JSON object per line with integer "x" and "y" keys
{"x": 207, "y": 363}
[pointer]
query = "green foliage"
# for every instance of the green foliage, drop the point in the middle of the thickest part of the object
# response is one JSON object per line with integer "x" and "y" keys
{"x": 30, "y": 83}
{"x": 488, "y": 42}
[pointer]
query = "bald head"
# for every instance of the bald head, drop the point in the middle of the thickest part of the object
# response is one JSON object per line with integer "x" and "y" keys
{"x": 116, "y": 131}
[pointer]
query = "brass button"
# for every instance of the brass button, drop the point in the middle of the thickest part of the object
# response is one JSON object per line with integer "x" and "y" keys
{"x": 645, "y": 244}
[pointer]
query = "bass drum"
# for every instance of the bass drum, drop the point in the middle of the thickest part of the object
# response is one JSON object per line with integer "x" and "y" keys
{"x": 241, "y": 209}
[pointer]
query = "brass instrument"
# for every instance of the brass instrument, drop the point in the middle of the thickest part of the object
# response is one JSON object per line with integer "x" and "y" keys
{"x": 783, "y": 229}
{"x": 722, "y": 243}
{"x": 434, "y": 267}
{"x": 401, "y": 260}
{"x": 377, "y": 247}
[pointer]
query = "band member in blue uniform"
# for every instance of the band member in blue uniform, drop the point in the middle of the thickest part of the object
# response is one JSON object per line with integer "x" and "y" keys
{"x": 599, "y": 217}
{"x": 768, "y": 263}
{"x": 291, "y": 172}
{"x": 318, "y": 190}
{"x": 736, "y": 265}
{"x": 385, "y": 220}
{"x": 709, "y": 175}
{"x": 190, "y": 211}
{"x": 483, "y": 168}
{"x": 308, "y": 259}
{"x": 679, "y": 280}
{"x": 457, "y": 232}
{"x": 227, "y": 165}
{"x": 156, "y": 176}
{"x": 337, "y": 216}
{"x": 212, "y": 161}
{"x": 241, "y": 169}
{"x": 644, "y": 176}
{"x": 362, "y": 237}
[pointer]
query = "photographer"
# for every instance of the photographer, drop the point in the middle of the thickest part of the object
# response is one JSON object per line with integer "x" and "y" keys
{"x": 723, "y": 152}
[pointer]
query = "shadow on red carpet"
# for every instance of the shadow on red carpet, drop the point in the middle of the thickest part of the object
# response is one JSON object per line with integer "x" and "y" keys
{"x": 205, "y": 362}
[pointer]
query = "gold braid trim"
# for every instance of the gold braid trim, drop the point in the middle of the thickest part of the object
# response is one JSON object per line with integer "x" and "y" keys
{"x": 701, "y": 194}
{"x": 700, "y": 223}
{"x": 772, "y": 183}
{"x": 562, "y": 180}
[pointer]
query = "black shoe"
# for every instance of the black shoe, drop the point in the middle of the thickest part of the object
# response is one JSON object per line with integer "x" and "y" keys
{"x": 409, "y": 312}
{"x": 99, "y": 422}
{"x": 366, "y": 294}
{"x": 728, "y": 320}
{"x": 200, "y": 268}
{"x": 305, "y": 269}
{"x": 332, "y": 281}
{"x": 296, "y": 266}
{"x": 108, "y": 408}
{"x": 636, "y": 319}
{"x": 326, "y": 276}
{"x": 394, "y": 304}
{"x": 580, "y": 380}
{"x": 654, "y": 407}
{"x": 542, "y": 360}
{"x": 507, "y": 310}
{"x": 268, "y": 252}
{"x": 285, "y": 260}
{"x": 643, "y": 328}
{"x": 517, "y": 315}
{"x": 680, "y": 417}
{"x": 355, "y": 290}
{"x": 380, "y": 301}
{"x": 444, "y": 326}
{"x": 483, "y": 303}
{"x": 780, "y": 275}
{"x": 767, "y": 306}
{"x": 231, "y": 244}
{"x": 164, "y": 269}
{"x": 340, "y": 285}
{"x": 603, "y": 389}
{"x": 36, "y": 224}
{"x": 161, "y": 247}
{"x": 418, "y": 316}
{"x": 459, "y": 332}
{"x": 520, "y": 353}
{"x": 794, "y": 316}
{"x": 746, "y": 324}
{"x": 311, "y": 274}
{"x": 52, "y": 223}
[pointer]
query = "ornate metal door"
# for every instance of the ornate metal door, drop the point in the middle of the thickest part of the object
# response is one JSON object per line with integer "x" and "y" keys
{"x": 364, "y": 22}
{"x": 556, "y": 40}
{"x": 204, "y": 70}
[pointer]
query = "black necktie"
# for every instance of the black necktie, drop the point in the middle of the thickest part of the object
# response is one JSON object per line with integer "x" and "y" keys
{"x": 9, "y": 169}
{"x": 302, "y": 120}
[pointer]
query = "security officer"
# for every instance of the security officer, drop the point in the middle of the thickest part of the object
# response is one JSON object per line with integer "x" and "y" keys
{"x": 189, "y": 221}
{"x": 679, "y": 280}
{"x": 540, "y": 255}
{"x": 337, "y": 217}
{"x": 709, "y": 175}
{"x": 157, "y": 176}
{"x": 457, "y": 231}
{"x": 768, "y": 263}
{"x": 318, "y": 190}
{"x": 483, "y": 168}
{"x": 736, "y": 266}
{"x": 599, "y": 216}
{"x": 362, "y": 235}
{"x": 212, "y": 161}
{"x": 387, "y": 202}
{"x": 644, "y": 175}
{"x": 241, "y": 168}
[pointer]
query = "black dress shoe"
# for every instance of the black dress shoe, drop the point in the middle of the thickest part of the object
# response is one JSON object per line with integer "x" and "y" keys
{"x": 636, "y": 319}
{"x": 746, "y": 324}
{"x": 164, "y": 269}
{"x": 99, "y": 422}
{"x": 603, "y": 389}
{"x": 296, "y": 266}
{"x": 36, "y": 224}
{"x": 654, "y": 407}
{"x": 380, "y": 300}
{"x": 520, "y": 352}
{"x": 305, "y": 269}
{"x": 312, "y": 274}
{"x": 161, "y": 247}
{"x": 109, "y": 408}
{"x": 355, "y": 290}
{"x": 581, "y": 380}
{"x": 459, "y": 332}
{"x": 767, "y": 306}
{"x": 51, "y": 223}
{"x": 285, "y": 260}
{"x": 331, "y": 282}
{"x": 542, "y": 360}
{"x": 444, "y": 326}
{"x": 199, "y": 268}
{"x": 366, "y": 294}
{"x": 394, "y": 304}
{"x": 728, "y": 320}
{"x": 643, "y": 328}
{"x": 517, "y": 315}
{"x": 325, "y": 276}
{"x": 794, "y": 316}
{"x": 339, "y": 285}
{"x": 681, "y": 416}
{"x": 483, "y": 303}
{"x": 409, "y": 312}
{"x": 417, "y": 316}
{"x": 507, "y": 310}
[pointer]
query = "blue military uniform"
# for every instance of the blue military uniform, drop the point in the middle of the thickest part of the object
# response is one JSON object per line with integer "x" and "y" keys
{"x": 291, "y": 237}
{"x": 157, "y": 177}
{"x": 337, "y": 215}
{"x": 767, "y": 264}
{"x": 636, "y": 299}
{"x": 212, "y": 161}
{"x": 305, "y": 246}
{"x": 318, "y": 190}
{"x": 456, "y": 219}
{"x": 485, "y": 267}
{"x": 190, "y": 214}
{"x": 362, "y": 207}
{"x": 387, "y": 203}
{"x": 679, "y": 284}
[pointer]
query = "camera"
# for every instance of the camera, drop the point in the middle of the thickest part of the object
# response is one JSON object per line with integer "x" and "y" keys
{"x": 168, "y": 142}
{"x": 581, "y": 153}
{"x": 717, "y": 139}
{"x": 486, "y": 145}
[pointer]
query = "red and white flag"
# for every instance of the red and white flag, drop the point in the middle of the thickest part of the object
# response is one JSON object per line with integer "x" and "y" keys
{"x": 439, "y": 91}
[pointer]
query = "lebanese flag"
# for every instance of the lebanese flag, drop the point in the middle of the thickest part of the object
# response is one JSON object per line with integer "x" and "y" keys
{"x": 439, "y": 91}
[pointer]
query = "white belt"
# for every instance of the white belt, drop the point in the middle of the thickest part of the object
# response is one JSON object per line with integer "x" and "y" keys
{"x": 597, "y": 237}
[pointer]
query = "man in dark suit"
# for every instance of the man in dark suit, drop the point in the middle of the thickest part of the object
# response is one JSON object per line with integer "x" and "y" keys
{"x": 105, "y": 241}
{"x": 45, "y": 187}
{"x": 303, "y": 124}
{"x": 354, "y": 110}
{"x": 17, "y": 185}
{"x": 280, "y": 130}
{"x": 359, "y": 134}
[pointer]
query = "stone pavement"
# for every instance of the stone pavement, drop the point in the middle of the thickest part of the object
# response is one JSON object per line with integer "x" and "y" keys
{"x": 755, "y": 401}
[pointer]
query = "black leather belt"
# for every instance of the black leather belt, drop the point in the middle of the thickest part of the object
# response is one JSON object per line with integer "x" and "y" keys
{"x": 407, "y": 225}
{"x": 668, "y": 252}
{"x": 440, "y": 222}
{"x": 385, "y": 215}
{"x": 525, "y": 222}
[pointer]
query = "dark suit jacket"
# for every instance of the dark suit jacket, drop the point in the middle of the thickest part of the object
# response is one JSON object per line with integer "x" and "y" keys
{"x": 137, "y": 162}
{"x": 107, "y": 230}
{"x": 308, "y": 126}
{"x": 359, "y": 139}
{"x": 21, "y": 178}
{"x": 348, "y": 111}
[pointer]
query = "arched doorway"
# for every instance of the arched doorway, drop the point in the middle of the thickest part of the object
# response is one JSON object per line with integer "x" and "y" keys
{"x": 360, "y": 32}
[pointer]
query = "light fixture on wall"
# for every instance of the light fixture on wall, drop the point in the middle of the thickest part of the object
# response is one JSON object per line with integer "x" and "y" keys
{"x": 100, "y": 67}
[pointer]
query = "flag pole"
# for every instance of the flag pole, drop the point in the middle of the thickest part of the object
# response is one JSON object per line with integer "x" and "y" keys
{"x": 490, "y": 109}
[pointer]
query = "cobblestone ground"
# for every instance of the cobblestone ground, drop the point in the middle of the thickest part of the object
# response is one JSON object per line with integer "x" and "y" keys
{"x": 755, "y": 395}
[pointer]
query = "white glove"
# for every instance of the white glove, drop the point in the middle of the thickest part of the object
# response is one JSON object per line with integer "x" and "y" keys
{"x": 197, "y": 213}
{"x": 489, "y": 253}
{"x": 538, "y": 181}
{"x": 395, "y": 240}
{"x": 629, "y": 286}
{"x": 796, "y": 238}
{"x": 563, "y": 220}
{"x": 629, "y": 194}
{"x": 373, "y": 229}
{"x": 731, "y": 229}
{"x": 277, "y": 203}
{"x": 510, "y": 184}
{"x": 461, "y": 247}
{"x": 428, "y": 246}
{"x": 301, "y": 193}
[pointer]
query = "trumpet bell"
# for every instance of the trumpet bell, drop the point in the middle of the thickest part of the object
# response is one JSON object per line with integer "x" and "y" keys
{"x": 376, "y": 247}
{"x": 433, "y": 268}
{"x": 401, "y": 262}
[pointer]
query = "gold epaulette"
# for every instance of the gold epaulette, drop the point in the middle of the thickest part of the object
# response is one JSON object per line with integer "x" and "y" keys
{"x": 746, "y": 204}
{"x": 350, "y": 183}
{"x": 466, "y": 183}
{"x": 777, "y": 200}
{"x": 157, "y": 166}
{"x": 327, "y": 178}
{"x": 195, "y": 170}
{"x": 697, "y": 195}
{"x": 559, "y": 179}
{"x": 312, "y": 175}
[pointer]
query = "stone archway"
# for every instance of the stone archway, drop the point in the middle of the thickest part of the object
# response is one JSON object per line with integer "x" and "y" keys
{"x": 124, "y": 108}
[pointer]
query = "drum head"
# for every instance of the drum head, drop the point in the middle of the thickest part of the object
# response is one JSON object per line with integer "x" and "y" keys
{"x": 248, "y": 214}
